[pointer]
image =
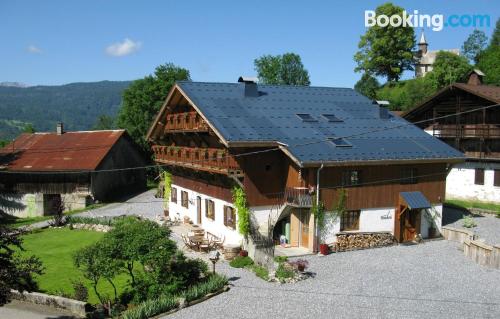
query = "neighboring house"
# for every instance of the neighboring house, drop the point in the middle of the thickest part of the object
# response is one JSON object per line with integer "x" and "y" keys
{"x": 205, "y": 131}
{"x": 39, "y": 170}
{"x": 426, "y": 58}
{"x": 477, "y": 134}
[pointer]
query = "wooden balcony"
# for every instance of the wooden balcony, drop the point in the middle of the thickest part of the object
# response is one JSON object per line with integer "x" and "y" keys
{"x": 185, "y": 122}
{"x": 213, "y": 160}
{"x": 486, "y": 131}
{"x": 296, "y": 196}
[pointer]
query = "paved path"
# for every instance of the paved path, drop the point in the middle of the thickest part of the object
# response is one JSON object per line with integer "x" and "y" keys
{"x": 23, "y": 310}
{"x": 430, "y": 280}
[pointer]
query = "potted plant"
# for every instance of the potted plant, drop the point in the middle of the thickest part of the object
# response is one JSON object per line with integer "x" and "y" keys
{"x": 301, "y": 264}
{"x": 325, "y": 219}
{"x": 243, "y": 253}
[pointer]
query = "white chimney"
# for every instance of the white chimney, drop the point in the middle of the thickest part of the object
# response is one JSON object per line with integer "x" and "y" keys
{"x": 60, "y": 128}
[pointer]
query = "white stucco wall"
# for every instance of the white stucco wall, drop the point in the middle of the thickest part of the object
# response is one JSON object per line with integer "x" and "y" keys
{"x": 435, "y": 215}
{"x": 460, "y": 184}
{"x": 215, "y": 226}
{"x": 382, "y": 219}
{"x": 23, "y": 205}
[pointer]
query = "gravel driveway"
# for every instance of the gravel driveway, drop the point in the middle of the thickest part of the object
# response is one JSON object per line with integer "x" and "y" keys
{"x": 430, "y": 280}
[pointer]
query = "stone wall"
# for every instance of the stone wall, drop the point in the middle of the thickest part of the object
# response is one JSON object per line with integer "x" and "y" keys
{"x": 77, "y": 307}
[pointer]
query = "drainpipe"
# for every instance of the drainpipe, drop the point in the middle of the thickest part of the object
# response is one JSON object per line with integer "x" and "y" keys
{"x": 317, "y": 204}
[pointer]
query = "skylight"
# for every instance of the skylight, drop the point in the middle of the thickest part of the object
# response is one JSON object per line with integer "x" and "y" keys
{"x": 306, "y": 117}
{"x": 339, "y": 142}
{"x": 331, "y": 118}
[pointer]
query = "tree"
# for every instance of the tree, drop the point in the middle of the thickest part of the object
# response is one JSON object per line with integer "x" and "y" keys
{"x": 386, "y": 51}
{"x": 368, "y": 86}
{"x": 16, "y": 272}
{"x": 495, "y": 37}
{"x": 447, "y": 69}
{"x": 475, "y": 43}
{"x": 144, "y": 98}
{"x": 104, "y": 122}
{"x": 489, "y": 63}
{"x": 29, "y": 128}
{"x": 284, "y": 69}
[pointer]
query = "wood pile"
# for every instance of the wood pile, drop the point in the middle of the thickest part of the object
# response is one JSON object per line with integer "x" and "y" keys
{"x": 352, "y": 241}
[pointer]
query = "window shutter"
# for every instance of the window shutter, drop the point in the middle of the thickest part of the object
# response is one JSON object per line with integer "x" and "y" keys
{"x": 479, "y": 176}
{"x": 225, "y": 216}
{"x": 496, "y": 177}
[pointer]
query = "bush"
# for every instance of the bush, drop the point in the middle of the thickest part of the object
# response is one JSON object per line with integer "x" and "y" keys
{"x": 498, "y": 214}
{"x": 259, "y": 271}
{"x": 81, "y": 291}
{"x": 284, "y": 272}
{"x": 152, "y": 307}
{"x": 280, "y": 259}
{"x": 241, "y": 262}
{"x": 468, "y": 222}
{"x": 213, "y": 283}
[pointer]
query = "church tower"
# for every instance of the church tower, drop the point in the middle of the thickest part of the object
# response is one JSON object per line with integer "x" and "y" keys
{"x": 422, "y": 44}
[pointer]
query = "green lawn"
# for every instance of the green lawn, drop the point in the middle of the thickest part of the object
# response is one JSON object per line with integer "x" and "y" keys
{"x": 474, "y": 204}
{"x": 19, "y": 222}
{"x": 56, "y": 247}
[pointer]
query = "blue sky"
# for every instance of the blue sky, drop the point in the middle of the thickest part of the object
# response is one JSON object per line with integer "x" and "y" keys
{"x": 57, "y": 42}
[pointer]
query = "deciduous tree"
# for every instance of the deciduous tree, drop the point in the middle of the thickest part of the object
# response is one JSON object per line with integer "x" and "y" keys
{"x": 386, "y": 51}
{"x": 143, "y": 99}
{"x": 474, "y": 45}
{"x": 368, "y": 86}
{"x": 447, "y": 69}
{"x": 281, "y": 69}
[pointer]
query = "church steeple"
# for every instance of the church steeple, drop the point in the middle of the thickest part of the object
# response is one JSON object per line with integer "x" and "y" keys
{"x": 422, "y": 44}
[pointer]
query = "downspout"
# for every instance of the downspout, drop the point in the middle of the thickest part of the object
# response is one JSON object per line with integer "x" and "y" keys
{"x": 317, "y": 205}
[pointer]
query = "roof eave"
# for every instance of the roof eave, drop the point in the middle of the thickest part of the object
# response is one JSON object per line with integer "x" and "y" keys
{"x": 452, "y": 160}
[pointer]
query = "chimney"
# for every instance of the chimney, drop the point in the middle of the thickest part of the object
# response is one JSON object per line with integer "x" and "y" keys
{"x": 475, "y": 77}
{"x": 60, "y": 128}
{"x": 248, "y": 86}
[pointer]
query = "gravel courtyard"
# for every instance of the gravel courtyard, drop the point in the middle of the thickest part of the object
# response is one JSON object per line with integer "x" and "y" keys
{"x": 430, "y": 280}
{"x": 488, "y": 225}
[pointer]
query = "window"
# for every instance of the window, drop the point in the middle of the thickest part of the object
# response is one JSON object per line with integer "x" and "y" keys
{"x": 496, "y": 177}
{"x": 479, "y": 176}
{"x": 306, "y": 117}
{"x": 409, "y": 176}
{"x": 173, "y": 195}
{"x": 350, "y": 220}
{"x": 229, "y": 217}
{"x": 339, "y": 142}
{"x": 209, "y": 209}
{"x": 351, "y": 178}
{"x": 331, "y": 118}
{"x": 184, "y": 199}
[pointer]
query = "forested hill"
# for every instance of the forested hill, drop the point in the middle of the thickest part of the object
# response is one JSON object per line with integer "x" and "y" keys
{"x": 77, "y": 105}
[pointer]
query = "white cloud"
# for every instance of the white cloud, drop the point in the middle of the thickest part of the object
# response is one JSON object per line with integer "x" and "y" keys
{"x": 34, "y": 49}
{"x": 123, "y": 48}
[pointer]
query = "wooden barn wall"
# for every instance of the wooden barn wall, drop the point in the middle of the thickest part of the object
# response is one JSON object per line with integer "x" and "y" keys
{"x": 383, "y": 195}
{"x": 204, "y": 187}
{"x": 266, "y": 177}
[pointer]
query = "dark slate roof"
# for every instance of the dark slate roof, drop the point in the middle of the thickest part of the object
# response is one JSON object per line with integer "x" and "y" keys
{"x": 415, "y": 200}
{"x": 272, "y": 117}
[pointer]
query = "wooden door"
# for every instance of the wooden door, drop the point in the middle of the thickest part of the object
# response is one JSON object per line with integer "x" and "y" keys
{"x": 410, "y": 224}
{"x": 198, "y": 210}
{"x": 304, "y": 228}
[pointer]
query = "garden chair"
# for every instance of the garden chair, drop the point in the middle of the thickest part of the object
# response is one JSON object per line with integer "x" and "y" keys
{"x": 219, "y": 243}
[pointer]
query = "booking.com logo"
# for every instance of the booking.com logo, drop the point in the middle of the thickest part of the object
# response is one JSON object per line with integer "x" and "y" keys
{"x": 416, "y": 20}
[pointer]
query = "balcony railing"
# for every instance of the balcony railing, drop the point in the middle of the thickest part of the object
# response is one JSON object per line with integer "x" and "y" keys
{"x": 207, "y": 159}
{"x": 187, "y": 121}
{"x": 466, "y": 131}
{"x": 297, "y": 196}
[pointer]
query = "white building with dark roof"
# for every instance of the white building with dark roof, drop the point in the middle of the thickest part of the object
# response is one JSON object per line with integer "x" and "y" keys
{"x": 426, "y": 58}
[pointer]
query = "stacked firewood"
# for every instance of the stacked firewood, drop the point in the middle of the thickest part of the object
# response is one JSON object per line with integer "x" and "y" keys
{"x": 351, "y": 241}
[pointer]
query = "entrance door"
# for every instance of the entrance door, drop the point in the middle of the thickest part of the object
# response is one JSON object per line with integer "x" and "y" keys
{"x": 409, "y": 225}
{"x": 304, "y": 228}
{"x": 198, "y": 210}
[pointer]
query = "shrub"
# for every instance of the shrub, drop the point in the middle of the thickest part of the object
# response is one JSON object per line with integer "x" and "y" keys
{"x": 299, "y": 263}
{"x": 280, "y": 259}
{"x": 81, "y": 292}
{"x": 498, "y": 214}
{"x": 213, "y": 283}
{"x": 241, "y": 262}
{"x": 260, "y": 271}
{"x": 468, "y": 222}
{"x": 152, "y": 307}
{"x": 108, "y": 221}
{"x": 284, "y": 272}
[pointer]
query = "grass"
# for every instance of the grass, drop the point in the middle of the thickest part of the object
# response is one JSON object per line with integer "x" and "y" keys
{"x": 259, "y": 271}
{"x": 55, "y": 247}
{"x": 241, "y": 262}
{"x": 17, "y": 222}
{"x": 474, "y": 204}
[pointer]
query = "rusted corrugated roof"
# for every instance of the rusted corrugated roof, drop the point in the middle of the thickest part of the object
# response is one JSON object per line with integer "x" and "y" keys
{"x": 71, "y": 151}
{"x": 489, "y": 92}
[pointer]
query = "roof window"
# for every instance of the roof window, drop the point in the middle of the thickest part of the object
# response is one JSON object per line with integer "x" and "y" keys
{"x": 331, "y": 118}
{"x": 306, "y": 117}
